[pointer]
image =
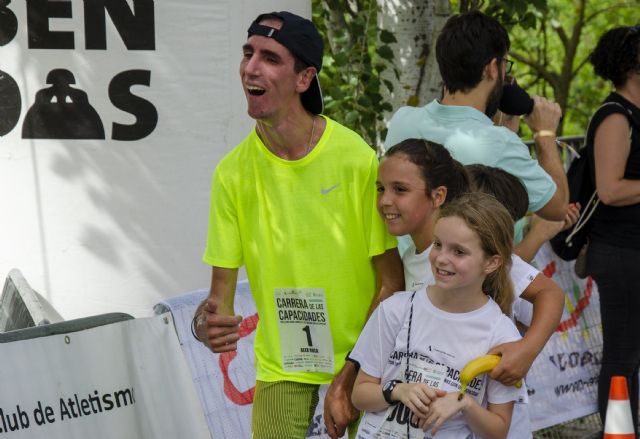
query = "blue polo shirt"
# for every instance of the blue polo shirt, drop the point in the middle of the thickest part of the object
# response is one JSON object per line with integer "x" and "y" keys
{"x": 471, "y": 137}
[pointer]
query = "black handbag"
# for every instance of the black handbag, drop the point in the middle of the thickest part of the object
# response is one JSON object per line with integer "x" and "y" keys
{"x": 582, "y": 189}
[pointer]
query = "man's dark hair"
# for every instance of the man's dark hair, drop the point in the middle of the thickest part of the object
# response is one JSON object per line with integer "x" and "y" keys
{"x": 465, "y": 45}
{"x": 298, "y": 64}
{"x": 437, "y": 166}
{"x": 505, "y": 187}
{"x": 616, "y": 54}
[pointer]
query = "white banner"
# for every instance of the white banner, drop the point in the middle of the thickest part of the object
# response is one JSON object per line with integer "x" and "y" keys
{"x": 113, "y": 116}
{"x": 562, "y": 382}
{"x": 226, "y": 382}
{"x": 126, "y": 380}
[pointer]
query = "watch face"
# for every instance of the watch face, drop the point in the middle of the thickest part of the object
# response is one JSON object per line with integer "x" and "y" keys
{"x": 387, "y": 388}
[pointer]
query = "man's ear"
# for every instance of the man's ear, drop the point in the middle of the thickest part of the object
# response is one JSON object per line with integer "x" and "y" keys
{"x": 304, "y": 79}
{"x": 492, "y": 69}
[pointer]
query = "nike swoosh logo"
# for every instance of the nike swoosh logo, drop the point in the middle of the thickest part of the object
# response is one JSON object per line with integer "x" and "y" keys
{"x": 326, "y": 191}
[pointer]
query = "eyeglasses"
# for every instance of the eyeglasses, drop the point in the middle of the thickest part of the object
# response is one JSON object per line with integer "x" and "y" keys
{"x": 509, "y": 64}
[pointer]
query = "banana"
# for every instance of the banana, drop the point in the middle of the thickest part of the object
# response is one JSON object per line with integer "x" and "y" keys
{"x": 477, "y": 366}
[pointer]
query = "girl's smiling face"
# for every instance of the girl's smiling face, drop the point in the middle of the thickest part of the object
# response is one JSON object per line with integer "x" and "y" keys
{"x": 403, "y": 200}
{"x": 457, "y": 258}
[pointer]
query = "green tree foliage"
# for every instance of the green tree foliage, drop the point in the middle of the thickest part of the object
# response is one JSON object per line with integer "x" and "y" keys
{"x": 553, "y": 56}
{"x": 551, "y": 40}
{"x": 511, "y": 13}
{"x": 356, "y": 53}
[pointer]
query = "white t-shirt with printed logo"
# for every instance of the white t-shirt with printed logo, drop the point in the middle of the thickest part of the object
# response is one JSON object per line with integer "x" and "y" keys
{"x": 417, "y": 268}
{"x": 437, "y": 338}
{"x": 418, "y": 274}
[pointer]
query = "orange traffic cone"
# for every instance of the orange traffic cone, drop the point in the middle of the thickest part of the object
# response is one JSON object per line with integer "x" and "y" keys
{"x": 618, "y": 423}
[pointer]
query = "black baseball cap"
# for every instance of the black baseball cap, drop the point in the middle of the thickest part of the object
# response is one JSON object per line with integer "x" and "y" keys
{"x": 301, "y": 37}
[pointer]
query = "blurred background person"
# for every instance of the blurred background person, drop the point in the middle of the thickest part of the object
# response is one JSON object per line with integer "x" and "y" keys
{"x": 613, "y": 142}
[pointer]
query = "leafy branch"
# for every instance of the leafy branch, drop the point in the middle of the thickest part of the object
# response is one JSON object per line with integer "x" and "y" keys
{"x": 357, "y": 54}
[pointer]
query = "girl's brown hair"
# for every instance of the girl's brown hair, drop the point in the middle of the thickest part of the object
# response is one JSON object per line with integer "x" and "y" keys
{"x": 436, "y": 164}
{"x": 491, "y": 221}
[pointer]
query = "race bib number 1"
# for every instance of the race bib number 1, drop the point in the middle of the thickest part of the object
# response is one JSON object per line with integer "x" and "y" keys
{"x": 305, "y": 335}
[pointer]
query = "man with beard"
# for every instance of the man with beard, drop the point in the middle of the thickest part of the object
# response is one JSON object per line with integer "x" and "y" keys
{"x": 472, "y": 56}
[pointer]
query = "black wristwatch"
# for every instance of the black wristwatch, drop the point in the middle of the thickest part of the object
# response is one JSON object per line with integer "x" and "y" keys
{"x": 387, "y": 389}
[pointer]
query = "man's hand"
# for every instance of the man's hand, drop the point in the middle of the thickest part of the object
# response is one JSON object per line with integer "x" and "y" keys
{"x": 339, "y": 412}
{"x": 218, "y": 332}
{"x": 516, "y": 362}
{"x": 544, "y": 116}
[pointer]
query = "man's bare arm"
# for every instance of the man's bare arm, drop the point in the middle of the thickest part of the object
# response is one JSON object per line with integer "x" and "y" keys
{"x": 339, "y": 412}
{"x": 543, "y": 122}
{"x": 216, "y": 324}
{"x": 518, "y": 356}
{"x": 389, "y": 276}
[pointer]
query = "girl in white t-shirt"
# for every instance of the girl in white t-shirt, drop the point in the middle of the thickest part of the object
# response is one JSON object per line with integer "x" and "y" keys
{"x": 413, "y": 347}
{"x": 417, "y": 177}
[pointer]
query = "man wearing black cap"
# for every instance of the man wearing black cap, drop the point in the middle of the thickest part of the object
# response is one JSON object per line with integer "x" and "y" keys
{"x": 295, "y": 203}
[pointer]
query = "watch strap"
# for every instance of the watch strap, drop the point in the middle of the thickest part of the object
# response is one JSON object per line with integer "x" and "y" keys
{"x": 387, "y": 389}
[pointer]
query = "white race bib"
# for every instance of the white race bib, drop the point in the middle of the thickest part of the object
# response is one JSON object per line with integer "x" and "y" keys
{"x": 398, "y": 415}
{"x": 305, "y": 335}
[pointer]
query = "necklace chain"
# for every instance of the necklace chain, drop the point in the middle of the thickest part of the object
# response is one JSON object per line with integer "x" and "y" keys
{"x": 309, "y": 143}
{"x": 313, "y": 130}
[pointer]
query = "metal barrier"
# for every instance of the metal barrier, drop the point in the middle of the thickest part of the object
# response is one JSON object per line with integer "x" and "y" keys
{"x": 25, "y": 314}
{"x": 574, "y": 142}
{"x": 22, "y": 307}
{"x": 587, "y": 427}
{"x": 65, "y": 327}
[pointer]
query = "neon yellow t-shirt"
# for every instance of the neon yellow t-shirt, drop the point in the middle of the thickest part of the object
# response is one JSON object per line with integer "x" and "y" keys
{"x": 306, "y": 224}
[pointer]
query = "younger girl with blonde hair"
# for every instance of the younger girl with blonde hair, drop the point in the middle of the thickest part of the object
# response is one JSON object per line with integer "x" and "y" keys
{"x": 413, "y": 347}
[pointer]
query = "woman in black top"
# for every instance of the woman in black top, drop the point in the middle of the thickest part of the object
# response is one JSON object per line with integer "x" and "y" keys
{"x": 614, "y": 250}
